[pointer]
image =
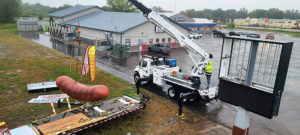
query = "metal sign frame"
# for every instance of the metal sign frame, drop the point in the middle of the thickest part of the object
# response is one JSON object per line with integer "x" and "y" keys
{"x": 254, "y": 99}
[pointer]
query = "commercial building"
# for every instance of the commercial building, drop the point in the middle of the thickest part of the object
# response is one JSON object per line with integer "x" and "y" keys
{"x": 96, "y": 24}
{"x": 57, "y": 19}
{"x": 261, "y": 22}
{"x": 193, "y": 24}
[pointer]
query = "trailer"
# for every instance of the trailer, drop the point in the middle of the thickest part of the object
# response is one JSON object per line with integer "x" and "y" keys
{"x": 83, "y": 117}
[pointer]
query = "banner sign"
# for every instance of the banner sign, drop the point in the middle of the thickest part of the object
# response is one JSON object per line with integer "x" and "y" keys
{"x": 85, "y": 66}
{"x": 47, "y": 98}
{"x": 92, "y": 61}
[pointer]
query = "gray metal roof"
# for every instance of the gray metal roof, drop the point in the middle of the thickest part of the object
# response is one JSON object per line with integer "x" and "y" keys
{"x": 27, "y": 22}
{"x": 109, "y": 21}
{"x": 71, "y": 10}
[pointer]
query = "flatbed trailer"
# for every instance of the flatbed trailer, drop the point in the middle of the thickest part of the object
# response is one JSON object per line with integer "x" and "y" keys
{"x": 183, "y": 86}
{"x": 87, "y": 116}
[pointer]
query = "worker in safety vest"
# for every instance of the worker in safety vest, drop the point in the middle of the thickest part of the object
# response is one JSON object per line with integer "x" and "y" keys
{"x": 208, "y": 71}
{"x": 138, "y": 84}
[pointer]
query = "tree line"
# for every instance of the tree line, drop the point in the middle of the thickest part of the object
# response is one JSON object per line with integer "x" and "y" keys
{"x": 126, "y": 6}
{"x": 231, "y": 14}
{"x": 9, "y": 9}
{"x": 38, "y": 10}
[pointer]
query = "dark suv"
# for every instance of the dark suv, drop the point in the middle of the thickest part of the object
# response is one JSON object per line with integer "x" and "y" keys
{"x": 234, "y": 34}
{"x": 160, "y": 48}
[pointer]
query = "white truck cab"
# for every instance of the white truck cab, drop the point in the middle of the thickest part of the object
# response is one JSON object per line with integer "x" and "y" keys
{"x": 147, "y": 66}
{"x": 144, "y": 69}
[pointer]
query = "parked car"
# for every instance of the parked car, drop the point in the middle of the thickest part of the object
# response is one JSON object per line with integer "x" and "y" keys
{"x": 195, "y": 35}
{"x": 241, "y": 33}
{"x": 269, "y": 36}
{"x": 160, "y": 48}
{"x": 217, "y": 33}
{"x": 234, "y": 34}
{"x": 253, "y": 35}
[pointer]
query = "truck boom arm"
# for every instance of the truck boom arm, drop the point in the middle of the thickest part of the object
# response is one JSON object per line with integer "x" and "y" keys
{"x": 184, "y": 41}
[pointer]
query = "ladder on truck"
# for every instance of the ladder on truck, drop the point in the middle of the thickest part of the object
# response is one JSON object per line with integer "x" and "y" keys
{"x": 4, "y": 129}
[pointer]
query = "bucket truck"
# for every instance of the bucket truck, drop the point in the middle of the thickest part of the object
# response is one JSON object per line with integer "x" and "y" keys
{"x": 160, "y": 71}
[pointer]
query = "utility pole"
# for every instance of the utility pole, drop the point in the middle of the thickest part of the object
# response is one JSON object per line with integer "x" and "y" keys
{"x": 175, "y": 6}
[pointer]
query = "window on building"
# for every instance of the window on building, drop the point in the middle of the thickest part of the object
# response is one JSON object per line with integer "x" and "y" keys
{"x": 158, "y": 30}
{"x": 157, "y": 40}
{"x": 127, "y": 42}
{"x": 151, "y": 41}
{"x": 169, "y": 40}
{"x": 109, "y": 38}
{"x": 163, "y": 40}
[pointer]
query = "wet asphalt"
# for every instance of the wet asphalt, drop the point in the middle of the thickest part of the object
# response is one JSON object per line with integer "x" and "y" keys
{"x": 286, "y": 123}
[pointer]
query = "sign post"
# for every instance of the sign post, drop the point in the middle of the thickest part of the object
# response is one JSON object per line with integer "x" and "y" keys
{"x": 140, "y": 48}
{"x": 241, "y": 123}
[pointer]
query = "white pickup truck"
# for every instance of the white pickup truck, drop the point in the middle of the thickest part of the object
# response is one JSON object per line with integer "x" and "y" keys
{"x": 195, "y": 35}
{"x": 162, "y": 72}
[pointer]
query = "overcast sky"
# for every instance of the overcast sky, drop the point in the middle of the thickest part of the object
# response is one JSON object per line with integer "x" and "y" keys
{"x": 189, "y": 4}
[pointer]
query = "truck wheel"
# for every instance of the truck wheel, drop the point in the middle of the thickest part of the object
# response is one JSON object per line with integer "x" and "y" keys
{"x": 185, "y": 100}
{"x": 150, "y": 81}
{"x": 136, "y": 76}
{"x": 172, "y": 93}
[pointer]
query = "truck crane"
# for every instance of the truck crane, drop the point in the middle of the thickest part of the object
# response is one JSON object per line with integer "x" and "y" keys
{"x": 184, "y": 41}
{"x": 151, "y": 69}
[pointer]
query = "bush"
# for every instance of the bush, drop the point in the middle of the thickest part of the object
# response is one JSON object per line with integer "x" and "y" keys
{"x": 230, "y": 25}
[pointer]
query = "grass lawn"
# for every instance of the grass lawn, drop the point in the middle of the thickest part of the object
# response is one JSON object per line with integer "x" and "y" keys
{"x": 10, "y": 27}
{"x": 24, "y": 61}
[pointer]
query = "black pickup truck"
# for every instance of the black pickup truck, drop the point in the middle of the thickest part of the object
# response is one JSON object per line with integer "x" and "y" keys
{"x": 217, "y": 33}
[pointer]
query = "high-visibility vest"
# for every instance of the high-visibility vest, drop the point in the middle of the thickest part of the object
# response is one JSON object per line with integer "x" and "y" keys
{"x": 208, "y": 69}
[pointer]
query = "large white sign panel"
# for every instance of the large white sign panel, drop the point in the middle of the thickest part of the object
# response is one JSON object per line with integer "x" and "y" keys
{"x": 54, "y": 96}
{"x": 47, "y": 98}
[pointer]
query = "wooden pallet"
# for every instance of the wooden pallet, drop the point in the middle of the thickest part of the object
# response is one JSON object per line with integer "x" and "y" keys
{"x": 64, "y": 123}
